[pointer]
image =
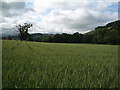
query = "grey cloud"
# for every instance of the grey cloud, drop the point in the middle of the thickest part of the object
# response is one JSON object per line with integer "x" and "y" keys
{"x": 14, "y": 9}
{"x": 13, "y": 5}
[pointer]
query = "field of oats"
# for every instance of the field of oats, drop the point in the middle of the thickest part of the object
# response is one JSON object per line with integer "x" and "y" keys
{"x": 58, "y": 65}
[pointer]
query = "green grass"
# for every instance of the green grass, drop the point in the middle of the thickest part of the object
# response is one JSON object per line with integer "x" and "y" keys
{"x": 57, "y": 65}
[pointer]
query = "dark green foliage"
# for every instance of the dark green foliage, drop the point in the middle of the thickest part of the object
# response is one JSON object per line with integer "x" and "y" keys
{"x": 77, "y": 38}
{"x": 88, "y": 37}
{"x": 68, "y": 38}
{"x": 62, "y": 38}
{"x": 108, "y": 34}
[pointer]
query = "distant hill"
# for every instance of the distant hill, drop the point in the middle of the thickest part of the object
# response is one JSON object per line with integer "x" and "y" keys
{"x": 108, "y": 34}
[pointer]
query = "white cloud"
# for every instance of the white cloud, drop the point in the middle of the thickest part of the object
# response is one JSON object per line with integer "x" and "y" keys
{"x": 69, "y": 21}
{"x": 51, "y": 16}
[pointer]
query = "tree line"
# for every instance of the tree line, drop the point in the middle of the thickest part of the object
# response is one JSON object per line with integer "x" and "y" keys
{"x": 108, "y": 34}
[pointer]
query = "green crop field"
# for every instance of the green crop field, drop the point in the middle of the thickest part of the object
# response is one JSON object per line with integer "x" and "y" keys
{"x": 59, "y": 65}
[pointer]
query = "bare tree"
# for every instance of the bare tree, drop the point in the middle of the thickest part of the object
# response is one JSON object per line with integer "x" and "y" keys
{"x": 23, "y": 31}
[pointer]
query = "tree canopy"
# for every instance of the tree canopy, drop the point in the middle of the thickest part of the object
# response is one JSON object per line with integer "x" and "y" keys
{"x": 23, "y": 31}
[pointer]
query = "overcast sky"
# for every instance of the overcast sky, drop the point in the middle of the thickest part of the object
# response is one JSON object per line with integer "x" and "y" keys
{"x": 57, "y": 16}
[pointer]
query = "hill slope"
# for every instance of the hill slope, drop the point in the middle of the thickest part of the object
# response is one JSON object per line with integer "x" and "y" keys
{"x": 108, "y": 34}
